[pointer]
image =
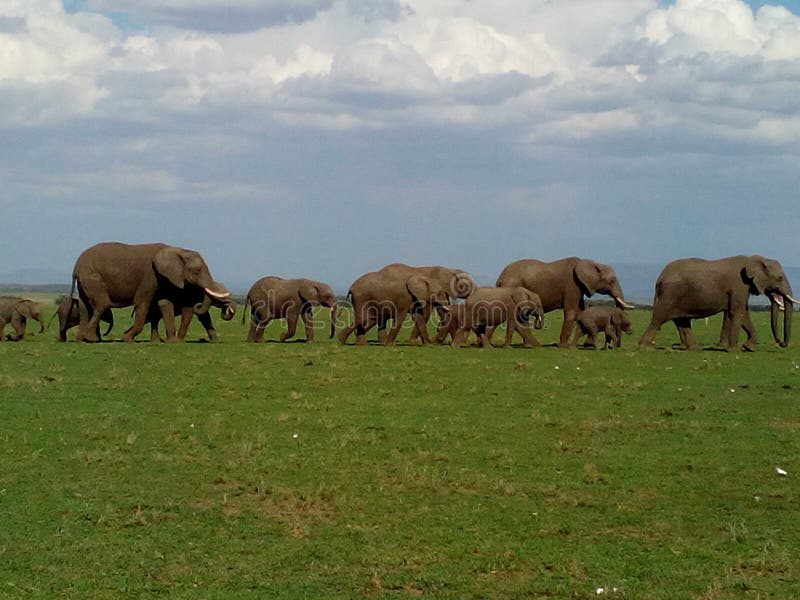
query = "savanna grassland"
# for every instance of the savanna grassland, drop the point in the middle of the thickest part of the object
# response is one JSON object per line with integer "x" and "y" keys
{"x": 319, "y": 471}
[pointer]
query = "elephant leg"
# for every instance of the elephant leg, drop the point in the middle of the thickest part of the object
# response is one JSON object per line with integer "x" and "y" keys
{"x": 415, "y": 332}
{"x": 737, "y": 321}
{"x": 89, "y": 325}
{"x": 346, "y": 333}
{"x": 291, "y": 325}
{"x": 308, "y": 323}
{"x": 566, "y": 328}
{"x": 646, "y": 341}
{"x": 205, "y": 321}
{"x": 483, "y": 340}
{"x": 397, "y": 323}
{"x": 490, "y": 332}
{"x": 365, "y": 325}
{"x": 2, "y": 329}
{"x": 18, "y": 323}
{"x": 257, "y": 330}
{"x": 684, "y": 325}
{"x": 187, "y": 314}
{"x": 140, "y": 317}
{"x": 747, "y": 324}
{"x": 725, "y": 332}
{"x": 167, "y": 309}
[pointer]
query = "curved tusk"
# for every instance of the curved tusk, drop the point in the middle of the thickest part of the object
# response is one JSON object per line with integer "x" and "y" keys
{"x": 621, "y": 303}
{"x": 792, "y": 300}
{"x": 214, "y": 294}
{"x": 778, "y": 300}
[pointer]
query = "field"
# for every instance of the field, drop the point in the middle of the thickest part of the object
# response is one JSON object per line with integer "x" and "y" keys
{"x": 319, "y": 471}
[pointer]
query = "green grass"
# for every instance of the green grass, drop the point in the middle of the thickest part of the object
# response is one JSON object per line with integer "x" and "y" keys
{"x": 320, "y": 471}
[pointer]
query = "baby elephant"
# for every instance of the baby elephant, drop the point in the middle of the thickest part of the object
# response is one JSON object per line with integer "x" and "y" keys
{"x": 17, "y": 311}
{"x": 490, "y": 306}
{"x": 610, "y": 320}
{"x": 291, "y": 299}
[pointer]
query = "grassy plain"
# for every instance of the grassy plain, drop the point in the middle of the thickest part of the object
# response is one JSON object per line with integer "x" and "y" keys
{"x": 319, "y": 471}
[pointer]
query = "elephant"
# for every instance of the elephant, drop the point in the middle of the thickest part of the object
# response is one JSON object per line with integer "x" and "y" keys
{"x": 390, "y": 294}
{"x": 388, "y": 287}
{"x": 116, "y": 275}
{"x": 695, "y": 288}
{"x": 609, "y": 320}
{"x": 278, "y": 298}
{"x": 563, "y": 284}
{"x": 69, "y": 316}
{"x": 491, "y": 306}
{"x": 16, "y": 311}
{"x": 189, "y": 301}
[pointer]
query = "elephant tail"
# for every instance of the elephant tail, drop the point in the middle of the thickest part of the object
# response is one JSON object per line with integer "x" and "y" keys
{"x": 110, "y": 322}
{"x": 244, "y": 308}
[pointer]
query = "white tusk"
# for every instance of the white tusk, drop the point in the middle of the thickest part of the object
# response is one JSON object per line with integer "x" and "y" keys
{"x": 778, "y": 300}
{"x": 214, "y": 294}
{"x": 622, "y": 303}
{"x": 792, "y": 300}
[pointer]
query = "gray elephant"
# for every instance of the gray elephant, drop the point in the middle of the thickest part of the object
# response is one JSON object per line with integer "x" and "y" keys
{"x": 291, "y": 299}
{"x": 694, "y": 288}
{"x": 115, "y": 275}
{"x": 563, "y": 284}
{"x": 492, "y": 306}
{"x": 16, "y": 312}
{"x": 608, "y": 320}
{"x": 394, "y": 292}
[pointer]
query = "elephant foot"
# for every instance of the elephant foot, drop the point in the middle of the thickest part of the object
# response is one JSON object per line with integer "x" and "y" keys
{"x": 361, "y": 341}
{"x": 748, "y": 347}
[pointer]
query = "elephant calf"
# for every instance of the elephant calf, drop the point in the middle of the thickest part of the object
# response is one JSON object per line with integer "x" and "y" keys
{"x": 291, "y": 299}
{"x": 491, "y": 306}
{"x": 609, "y": 320}
{"x": 17, "y": 311}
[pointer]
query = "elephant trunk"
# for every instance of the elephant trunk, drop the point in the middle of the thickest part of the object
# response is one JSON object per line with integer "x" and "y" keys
{"x": 42, "y": 327}
{"x": 201, "y": 308}
{"x": 228, "y": 312}
{"x": 333, "y": 320}
{"x": 781, "y": 303}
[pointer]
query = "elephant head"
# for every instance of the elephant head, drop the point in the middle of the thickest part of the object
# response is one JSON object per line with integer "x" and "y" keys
{"x": 621, "y": 320}
{"x": 314, "y": 292}
{"x": 27, "y": 309}
{"x": 180, "y": 266}
{"x": 594, "y": 277}
{"x": 426, "y": 291}
{"x": 528, "y": 305}
{"x": 766, "y": 276}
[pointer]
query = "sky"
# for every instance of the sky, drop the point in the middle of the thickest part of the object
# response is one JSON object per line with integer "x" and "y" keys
{"x": 326, "y": 138}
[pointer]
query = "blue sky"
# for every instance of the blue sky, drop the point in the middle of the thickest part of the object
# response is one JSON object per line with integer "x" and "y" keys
{"x": 325, "y": 138}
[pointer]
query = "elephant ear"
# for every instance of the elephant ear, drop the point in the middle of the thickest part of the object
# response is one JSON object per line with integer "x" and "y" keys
{"x": 307, "y": 292}
{"x": 756, "y": 272}
{"x": 587, "y": 274}
{"x": 419, "y": 288}
{"x": 169, "y": 263}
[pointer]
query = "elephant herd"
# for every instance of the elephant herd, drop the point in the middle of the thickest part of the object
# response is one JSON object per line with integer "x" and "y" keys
{"x": 161, "y": 282}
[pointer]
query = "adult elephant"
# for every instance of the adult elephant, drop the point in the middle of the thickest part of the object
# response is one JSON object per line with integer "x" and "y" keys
{"x": 115, "y": 275}
{"x": 694, "y": 288}
{"x": 16, "y": 311}
{"x": 392, "y": 293}
{"x": 456, "y": 283}
{"x": 563, "y": 284}
{"x": 291, "y": 299}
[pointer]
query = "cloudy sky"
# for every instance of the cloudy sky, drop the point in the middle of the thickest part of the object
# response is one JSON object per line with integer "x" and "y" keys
{"x": 325, "y": 138}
